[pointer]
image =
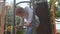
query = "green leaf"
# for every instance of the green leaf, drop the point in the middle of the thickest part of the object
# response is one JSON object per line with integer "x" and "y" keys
{"x": 58, "y": 2}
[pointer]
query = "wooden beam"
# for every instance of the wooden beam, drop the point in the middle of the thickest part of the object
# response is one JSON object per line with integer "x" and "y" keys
{"x": 53, "y": 15}
{"x": 2, "y": 24}
{"x": 2, "y": 15}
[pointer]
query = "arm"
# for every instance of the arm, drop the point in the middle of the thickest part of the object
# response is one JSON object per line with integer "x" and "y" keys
{"x": 37, "y": 22}
{"x": 30, "y": 14}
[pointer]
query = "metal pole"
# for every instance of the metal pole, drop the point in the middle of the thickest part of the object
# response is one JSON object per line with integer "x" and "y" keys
{"x": 23, "y": 2}
{"x": 14, "y": 17}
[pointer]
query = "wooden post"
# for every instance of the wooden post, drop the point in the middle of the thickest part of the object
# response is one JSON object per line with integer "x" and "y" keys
{"x": 2, "y": 24}
{"x": 2, "y": 15}
{"x": 53, "y": 14}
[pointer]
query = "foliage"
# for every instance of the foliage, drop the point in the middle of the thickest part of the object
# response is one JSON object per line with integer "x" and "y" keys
{"x": 17, "y": 22}
{"x": 22, "y": 31}
{"x": 58, "y": 2}
{"x": 57, "y": 14}
{"x": 50, "y": 3}
{"x": 9, "y": 20}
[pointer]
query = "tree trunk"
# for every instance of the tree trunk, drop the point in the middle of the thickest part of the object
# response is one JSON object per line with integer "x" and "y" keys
{"x": 43, "y": 13}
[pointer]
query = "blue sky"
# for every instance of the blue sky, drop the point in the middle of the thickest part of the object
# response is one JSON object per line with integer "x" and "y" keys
{"x": 22, "y": 5}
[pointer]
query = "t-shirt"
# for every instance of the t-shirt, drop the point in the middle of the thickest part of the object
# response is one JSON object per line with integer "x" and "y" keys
{"x": 30, "y": 17}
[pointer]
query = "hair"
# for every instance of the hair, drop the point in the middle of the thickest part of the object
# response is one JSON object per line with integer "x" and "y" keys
{"x": 20, "y": 10}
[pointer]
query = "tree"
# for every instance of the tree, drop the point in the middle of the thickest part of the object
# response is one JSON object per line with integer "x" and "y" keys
{"x": 50, "y": 3}
{"x": 58, "y": 2}
{"x": 57, "y": 14}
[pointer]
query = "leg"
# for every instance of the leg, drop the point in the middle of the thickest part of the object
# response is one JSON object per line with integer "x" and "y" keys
{"x": 30, "y": 30}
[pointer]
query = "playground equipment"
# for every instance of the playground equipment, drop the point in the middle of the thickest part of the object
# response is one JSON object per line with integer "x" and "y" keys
{"x": 13, "y": 18}
{"x": 53, "y": 13}
{"x": 2, "y": 10}
{"x": 43, "y": 13}
{"x": 45, "y": 23}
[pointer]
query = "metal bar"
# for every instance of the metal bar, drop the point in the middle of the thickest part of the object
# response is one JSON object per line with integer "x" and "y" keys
{"x": 23, "y": 2}
{"x": 14, "y": 17}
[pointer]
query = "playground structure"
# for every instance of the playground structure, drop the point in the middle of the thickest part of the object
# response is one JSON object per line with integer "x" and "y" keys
{"x": 2, "y": 14}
